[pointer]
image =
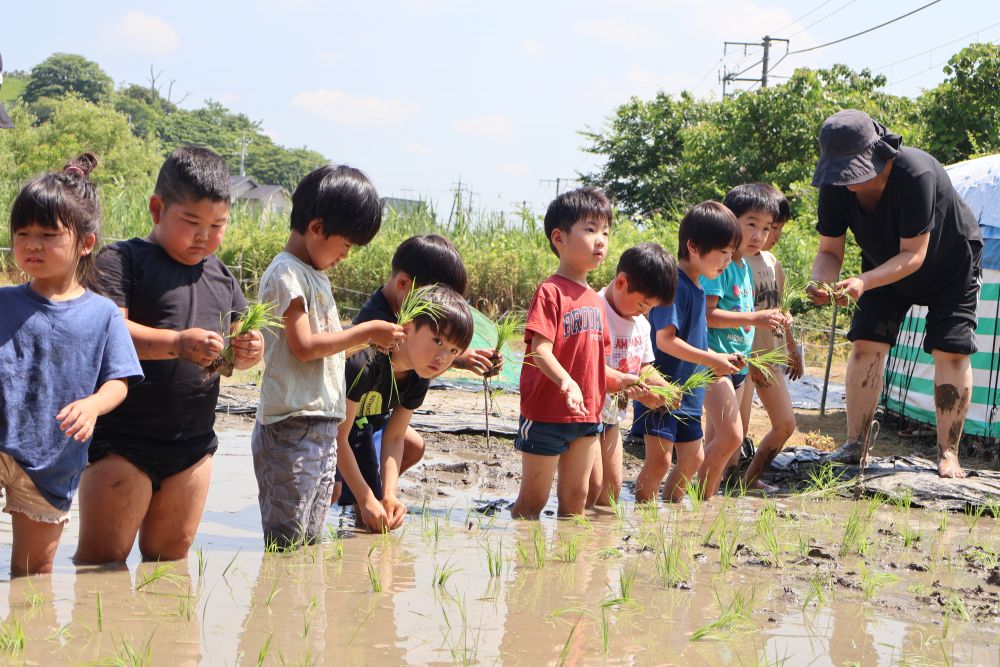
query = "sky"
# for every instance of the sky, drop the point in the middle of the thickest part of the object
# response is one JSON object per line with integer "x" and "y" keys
{"x": 422, "y": 94}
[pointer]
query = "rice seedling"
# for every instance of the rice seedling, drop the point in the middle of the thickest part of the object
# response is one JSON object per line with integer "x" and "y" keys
{"x": 605, "y": 630}
{"x": 202, "y": 558}
{"x": 872, "y": 582}
{"x": 792, "y": 295}
{"x": 609, "y": 552}
{"x": 910, "y": 536}
{"x": 441, "y": 575}
{"x": 942, "y": 522}
{"x": 494, "y": 560}
{"x": 273, "y": 592}
{"x": 735, "y": 617}
{"x": 954, "y": 606}
{"x": 649, "y": 511}
{"x": 816, "y": 592}
{"x": 564, "y": 653}
{"x": 259, "y": 315}
{"x": 695, "y": 494}
{"x": 100, "y": 613}
{"x": 128, "y": 655}
{"x": 582, "y": 521}
{"x": 12, "y": 638}
{"x": 856, "y": 531}
{"x": 764, "y": 362}
{"x": 570, "y": 549}
{"x": 373, "y": 579}
{"x": 265, "y": 648}
{"x": 670, "y": 566}
{"x": 769, "y": 538}
{"x": 831, "y": 291}
{"x": 618, "y": 509}
{"x": 919, "y": 589}
{"x": 508, "y": 325}
{"x": 626, "y": 581}
{"x": 700, "y": 379}
{"x": 825, "y": 480}
{"x": 992, "y": 507}
{"x": 973, "y": 513}
{"x": 728, "y": 545}
{"x": 522, "y": 554}
{"x": 160, "y": 571}
{"x": 185, "y": 607}
{"x": 538, "y": 542}
{"x": 903, "y": 499}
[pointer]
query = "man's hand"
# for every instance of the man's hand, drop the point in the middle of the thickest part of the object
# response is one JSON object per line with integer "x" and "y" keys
{"x": 849, "y": 289}
{"x": 818, "y": 296}
{"x": 199, "y": 346}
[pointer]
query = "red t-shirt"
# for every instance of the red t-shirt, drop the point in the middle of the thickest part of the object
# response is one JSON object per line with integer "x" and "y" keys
{"x": 572, "y": 317}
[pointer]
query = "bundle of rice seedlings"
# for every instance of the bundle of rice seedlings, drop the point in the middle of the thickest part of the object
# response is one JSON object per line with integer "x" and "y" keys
{"x": 763, "y": 361}
{"x": 508, "y": 325}
{"x": 831, "y": 290}
{"x": 700, "y": 379}
{"x": 791, "y": 294}
{"x": 258, "y": 316}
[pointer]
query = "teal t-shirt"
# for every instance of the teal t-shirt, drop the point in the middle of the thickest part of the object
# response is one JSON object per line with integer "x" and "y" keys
{"x": 735, "y": 291}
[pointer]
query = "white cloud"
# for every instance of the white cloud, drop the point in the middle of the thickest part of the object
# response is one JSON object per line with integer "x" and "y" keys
{"x": 532, "y": 48}
{"x": 616, "y": 31}
{"x": 636, "y": 80}
{"x": 142, "y": 34}
{"x": 515, "y": 169}
{"x": 418, "y": 149}
{"x": 346, "y": 109}
{"x": 497, "y": 127}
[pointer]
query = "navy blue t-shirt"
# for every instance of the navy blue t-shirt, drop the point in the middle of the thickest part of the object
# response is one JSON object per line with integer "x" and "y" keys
{"x": 687, "y": 314}
{"x": 51, "y": 354}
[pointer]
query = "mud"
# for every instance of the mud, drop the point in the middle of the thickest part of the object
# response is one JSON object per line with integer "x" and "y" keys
{"x": 807, "y": 577}
{"x": 947, "y": 398}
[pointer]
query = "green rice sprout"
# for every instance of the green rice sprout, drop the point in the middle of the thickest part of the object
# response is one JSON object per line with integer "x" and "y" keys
{"x": 417, "y": 304}
{"x": 259, "y": 315}
{"x": 764, "y": 361}
{"x": 508, "y": 324}
{"x": 830, "y": 290}
{"x": 792, "y": 294}
{"x": 735, "y": 617}
{"x": 700, "y": 379}
{"x": 12, "y": 637}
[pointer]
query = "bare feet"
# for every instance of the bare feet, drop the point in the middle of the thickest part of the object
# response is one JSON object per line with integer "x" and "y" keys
{"x": 761, "y": 487}
{"x": 948, "y": 465}
{"x": 849, "y": 453}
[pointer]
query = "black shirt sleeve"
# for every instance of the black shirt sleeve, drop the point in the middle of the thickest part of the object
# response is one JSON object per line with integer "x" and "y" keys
{"x": 832, "y": 217}
{"x": 114, "y": 274}
{"x": 916, "y": 213}
{"x": 416, "y": 391}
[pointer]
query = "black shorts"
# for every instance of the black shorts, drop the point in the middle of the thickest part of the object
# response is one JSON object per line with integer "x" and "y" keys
{"x": 363, "y": 446}
{"x": 950, "y": 325}
{"x": 158, "y": 459}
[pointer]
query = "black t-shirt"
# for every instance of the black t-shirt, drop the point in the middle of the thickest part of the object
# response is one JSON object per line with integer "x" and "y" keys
{"x": 918, "y": 198}
{"x": 175, "y": 401}
{"x": 376, "y": 308}
{"x": 369, "y": 384}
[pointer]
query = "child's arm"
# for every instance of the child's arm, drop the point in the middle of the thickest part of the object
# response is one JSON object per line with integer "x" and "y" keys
{"x": 728, "y": 319}
{"x": 392, "y": 458}
{"x": 479, "y": 362}
{"x": 78, "y": 418}
{"x": 796, "y": 367}
{"x": 721, "y": 364}
{"x": 308, "y": 345}
{"x": 372, "y": 513}
{"x": 615, "y": 380}
{"x": 199, "y": 346}
{"x": 545, "y": 360}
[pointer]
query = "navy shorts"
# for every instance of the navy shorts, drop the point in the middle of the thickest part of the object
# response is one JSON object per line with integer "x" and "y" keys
{"x": 367, "y": 455}
{"x": 737, "y": 379}
{"x": 674, "y": 427}
{"x": 158, "y": 459}
{"x": 548, "y": 439}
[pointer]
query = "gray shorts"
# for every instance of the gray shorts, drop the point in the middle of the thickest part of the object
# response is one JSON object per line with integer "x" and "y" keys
{"x": 295, "y": 461}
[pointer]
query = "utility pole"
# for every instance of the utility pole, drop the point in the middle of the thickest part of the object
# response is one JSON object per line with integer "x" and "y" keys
{"x": 558, "y": 182}
{"x": 244, "y": 142}
{"x": 456, "y": 201}
{"x": 764, "y": 62}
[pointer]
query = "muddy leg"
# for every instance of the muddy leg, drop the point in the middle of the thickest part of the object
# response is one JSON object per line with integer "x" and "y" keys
{"x": 865, "y": 369}
{"x": 952, "y": 389}
{"x": 779, "y": 409}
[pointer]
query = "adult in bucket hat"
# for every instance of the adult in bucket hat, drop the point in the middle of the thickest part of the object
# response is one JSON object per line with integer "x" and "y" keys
{"x": 920, "y": 244}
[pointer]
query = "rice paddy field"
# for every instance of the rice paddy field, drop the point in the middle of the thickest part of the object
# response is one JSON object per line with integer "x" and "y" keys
{"x": 806, "y": 578}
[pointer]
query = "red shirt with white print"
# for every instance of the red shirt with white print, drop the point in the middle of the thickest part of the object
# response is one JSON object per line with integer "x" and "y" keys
{"x": 572, "y": 317}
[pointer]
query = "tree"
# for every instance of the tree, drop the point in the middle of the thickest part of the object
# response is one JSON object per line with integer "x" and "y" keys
{"x": 64, "y": 73}
{"x": 145, "y": 109}
{"x": 962, "y": 114}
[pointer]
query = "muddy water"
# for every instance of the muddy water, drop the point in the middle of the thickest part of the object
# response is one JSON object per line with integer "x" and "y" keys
{"x": 912, "y": 588}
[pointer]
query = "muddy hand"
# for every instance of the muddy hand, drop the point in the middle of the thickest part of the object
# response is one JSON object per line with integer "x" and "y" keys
{"x": 849, "y": 289}
{"x": 199, "y": 346}
{"x": 480, "y": 362}
{"x": 574, "y": 398}
{"x": 374, "y": 516}
{"x": 395, "y": 510}
{"x": 386, "y": 335}
{"x": 248, "y": 348}
{"x": 818, "y": 296}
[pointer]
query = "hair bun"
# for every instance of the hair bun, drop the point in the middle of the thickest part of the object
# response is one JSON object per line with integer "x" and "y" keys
{"x": 82, "y": 165}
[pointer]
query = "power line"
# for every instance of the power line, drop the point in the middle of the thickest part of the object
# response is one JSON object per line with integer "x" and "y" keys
{"x": 933, "y": 49}
{"x": 814, "y": 9}
{"x": 926, "y": 69}
{"x": 865, "y": 32}
{"x": 818, "y": 21}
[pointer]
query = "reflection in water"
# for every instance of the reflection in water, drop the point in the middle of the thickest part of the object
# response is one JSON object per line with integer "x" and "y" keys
{"x": 572, "y": 602}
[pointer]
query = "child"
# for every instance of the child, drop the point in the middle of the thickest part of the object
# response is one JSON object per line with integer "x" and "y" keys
{"x": 731, "y": 320}
{"x": 646, "y": 277}
{"x": 151, "y": 458}
{"x": 378, "y": 384}
{"x": 302, "y": 391}
{"x": 425, "y": 259}
{"x": 567, "y": 336}
{"x": 65, "y": 358}
{"x": 769, "y": 283}
{"x": 708, "y": 235}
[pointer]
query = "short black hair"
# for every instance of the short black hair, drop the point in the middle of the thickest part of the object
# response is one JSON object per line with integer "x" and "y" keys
{"x": 575, "y": 205}
{"x": 344, "y": 198}
{"x": 756, "y": 197}
{"x": 431, "y": 259}
{"x": 708, "y": 226}
{"x": 650, "y": 270}
{"x": 453, "y": 321}
{"x": 193, "y": 173}
{"x": 784, "y": 209}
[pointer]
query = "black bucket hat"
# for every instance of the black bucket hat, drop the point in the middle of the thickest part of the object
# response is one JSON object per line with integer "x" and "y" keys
{"x": 853, "y": 149}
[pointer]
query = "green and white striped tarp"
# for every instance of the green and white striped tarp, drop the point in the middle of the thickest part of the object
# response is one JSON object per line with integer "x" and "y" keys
{"x": 910, "y": 370}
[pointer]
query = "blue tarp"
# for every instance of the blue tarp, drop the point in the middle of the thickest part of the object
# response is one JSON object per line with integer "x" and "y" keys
{"x": 978, "y": 183}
